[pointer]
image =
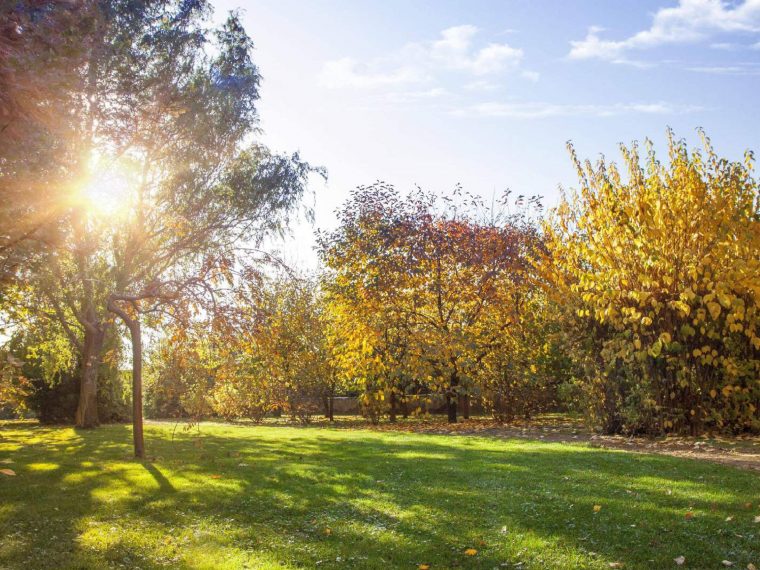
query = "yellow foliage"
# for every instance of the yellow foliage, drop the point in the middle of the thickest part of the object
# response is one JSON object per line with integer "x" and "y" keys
{"x": 664, "y": 254}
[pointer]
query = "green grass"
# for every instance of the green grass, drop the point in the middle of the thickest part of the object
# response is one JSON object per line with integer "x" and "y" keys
{"x": 265, "y": 497}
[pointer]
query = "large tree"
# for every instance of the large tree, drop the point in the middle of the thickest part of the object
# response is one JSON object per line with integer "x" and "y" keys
{"x": 167, "y": 184}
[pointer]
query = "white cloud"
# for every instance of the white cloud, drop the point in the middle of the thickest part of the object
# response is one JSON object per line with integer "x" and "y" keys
{"x": 481, "y": 85}
{"x": 540, "y": 110}
{"x": 347, "y": 72}
{"x": 732, "y": 69}
{"x": 689, "y": 22}
{"x": 454, "y": 50}
{"x": 427, "y": 94}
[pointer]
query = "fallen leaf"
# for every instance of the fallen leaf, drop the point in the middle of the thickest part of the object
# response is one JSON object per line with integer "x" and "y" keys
{"x": 216, "y": 476}
{"x": 680, "y": 560}
{"x": 7, "y": 461}
{"x": 424, "y": 567}
{"x": 757, "y": 519}
{"x": 328, "y": 531}
{"x": 470, "y": 552}
{"x": 8, "y": 472}
{"x": 727, "y": 563}
{"x": 751, "y": 566}
{"x": 729, "y": 519}
{"x": 597, "y": 508}
{"x": 747, "y": 505}
{"x": 688, "y": 515}
{"x": 616, "y": 564}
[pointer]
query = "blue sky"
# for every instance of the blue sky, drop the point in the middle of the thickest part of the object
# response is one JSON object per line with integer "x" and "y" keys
{"x": 487, "y": 93}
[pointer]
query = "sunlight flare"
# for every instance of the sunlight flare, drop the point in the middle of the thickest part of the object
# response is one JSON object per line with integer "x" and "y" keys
{"x": 109, "y": 189}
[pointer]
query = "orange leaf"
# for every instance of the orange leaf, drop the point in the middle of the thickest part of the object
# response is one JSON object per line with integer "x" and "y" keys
{"x": 216, "y": 476}
{"x": 8, "y": 472}
{"x": 688, "y": 515}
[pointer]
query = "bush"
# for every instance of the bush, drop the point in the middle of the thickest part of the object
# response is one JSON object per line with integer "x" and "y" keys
{"x": 660, "y": 270}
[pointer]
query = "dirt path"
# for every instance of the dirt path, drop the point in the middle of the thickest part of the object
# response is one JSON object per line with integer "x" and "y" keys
{"x": 741, "y": 452}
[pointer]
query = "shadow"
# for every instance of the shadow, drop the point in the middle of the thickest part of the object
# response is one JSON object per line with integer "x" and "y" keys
{"x": 163, "y": 482}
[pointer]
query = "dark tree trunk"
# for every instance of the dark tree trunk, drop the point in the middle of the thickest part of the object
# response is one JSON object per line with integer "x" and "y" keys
{"x": 87, "y": 409}
{"x": 326, "y": 405}
{"x": 135, "y": 333}
{"x": 137, "y": 400}
{"x": 465, "y": 403}
{"x": 404, "y": 407}
{"x": 393, "y": 406}
{"x": 451, "y": 407}
{"x": 331, "y": 407}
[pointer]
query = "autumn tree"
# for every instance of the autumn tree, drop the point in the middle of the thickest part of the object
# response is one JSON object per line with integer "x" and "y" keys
{"x": 658, "y": 262}
{"x": 438, "y": 273}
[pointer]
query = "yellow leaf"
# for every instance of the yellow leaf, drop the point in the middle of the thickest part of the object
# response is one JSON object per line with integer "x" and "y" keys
{"x": 533, "y": 368}
{"x": 597, "y": 508}
{"x": 423, "y": 567}
{"x": 470, "y": 552}
{"x": 713, "y": 393}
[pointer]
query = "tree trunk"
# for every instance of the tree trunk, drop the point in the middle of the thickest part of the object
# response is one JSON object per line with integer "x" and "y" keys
{"x": 87, "y": 409}
{"x": 137, "y": 403}
{"x": 464, "y": 402}
{"x": 135, "y": 333}
{"x": 451, "y": 407}
{"x": 326, "y": 405}
{"x": 331, "y": 407}
{"x": 393, "y": 406}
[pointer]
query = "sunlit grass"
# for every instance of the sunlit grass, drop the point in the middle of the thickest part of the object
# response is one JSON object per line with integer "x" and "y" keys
{"x": 281, "y": 497}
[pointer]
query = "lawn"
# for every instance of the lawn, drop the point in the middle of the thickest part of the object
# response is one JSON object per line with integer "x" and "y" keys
{"x": 287, "y": 497}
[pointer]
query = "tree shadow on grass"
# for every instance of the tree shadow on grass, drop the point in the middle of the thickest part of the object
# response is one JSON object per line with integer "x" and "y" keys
{"x": 365, "y": 500}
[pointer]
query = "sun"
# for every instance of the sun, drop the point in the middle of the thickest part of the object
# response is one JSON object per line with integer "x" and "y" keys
{"x": 108, "y": 189}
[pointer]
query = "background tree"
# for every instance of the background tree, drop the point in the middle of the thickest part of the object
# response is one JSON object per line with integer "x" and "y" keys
{"x": 425, "y": 279}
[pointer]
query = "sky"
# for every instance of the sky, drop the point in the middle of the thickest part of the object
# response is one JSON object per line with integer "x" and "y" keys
{"x": 487, "y": 94}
